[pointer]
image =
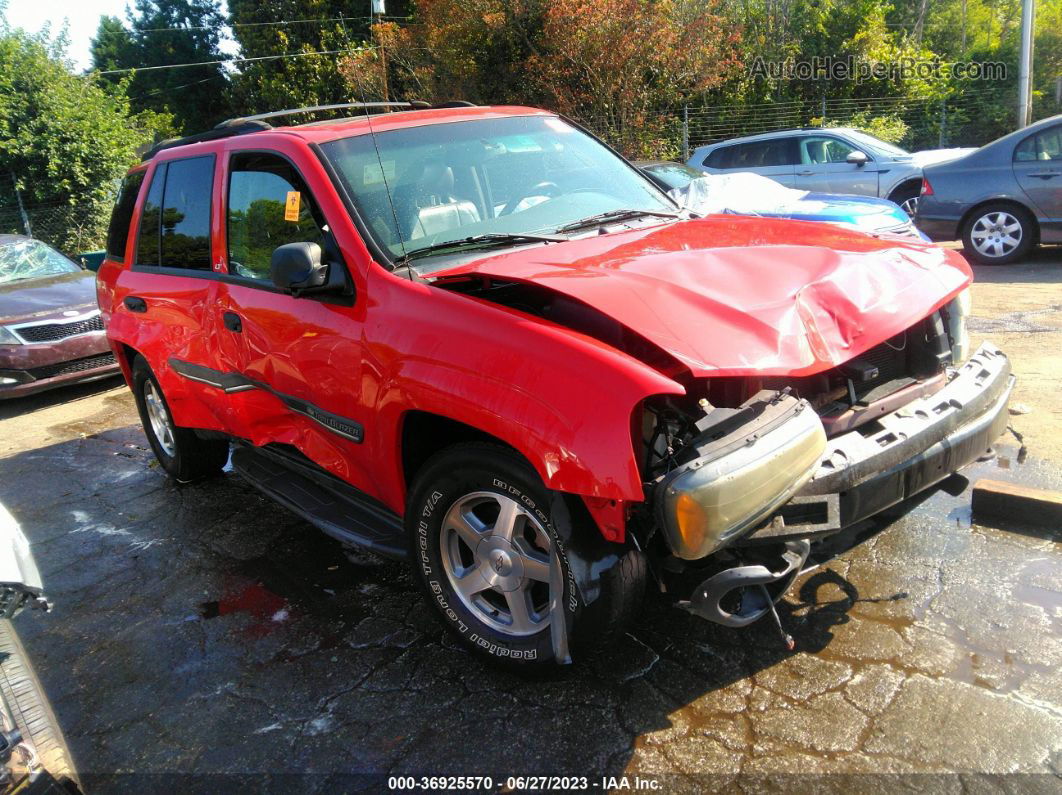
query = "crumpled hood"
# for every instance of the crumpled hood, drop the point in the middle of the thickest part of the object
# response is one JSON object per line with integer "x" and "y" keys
{"x": 733, "y": 295}
{"x": 32, "y": 298}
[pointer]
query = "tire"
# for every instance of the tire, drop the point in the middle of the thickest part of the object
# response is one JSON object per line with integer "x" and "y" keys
{"x": 27, "y": 704}
{"x": 181, "y": 453}
{"x": 1004, "y": 228}
{"x": 455, "y": 506}
{"x": 907, "y": 198}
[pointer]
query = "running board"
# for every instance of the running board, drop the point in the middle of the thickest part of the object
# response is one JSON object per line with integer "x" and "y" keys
{"x": 323, "y": 500}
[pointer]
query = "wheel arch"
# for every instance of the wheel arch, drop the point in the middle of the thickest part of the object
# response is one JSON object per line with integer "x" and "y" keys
{"x": 904, "y": 184}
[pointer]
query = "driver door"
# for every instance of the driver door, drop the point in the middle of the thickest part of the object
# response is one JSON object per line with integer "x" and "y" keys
{"x": 298, "y": 360}
{"x": 823, "y": 168}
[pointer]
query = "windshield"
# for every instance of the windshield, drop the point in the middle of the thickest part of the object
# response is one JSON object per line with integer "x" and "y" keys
{"x": 876, "y": 143}
{"x": 31, "y": 259}
{"x": 522, "y": 175}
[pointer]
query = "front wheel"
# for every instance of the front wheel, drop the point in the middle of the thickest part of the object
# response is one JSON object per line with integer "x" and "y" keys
{"x": 489, "y": 557}
{"x": 907, "y": 198}
{"x": 998, "y": 234}
{"x": 181, "y": 453}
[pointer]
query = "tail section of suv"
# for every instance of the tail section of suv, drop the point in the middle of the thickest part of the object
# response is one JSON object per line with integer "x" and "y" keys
{"x": 479, "y": 340}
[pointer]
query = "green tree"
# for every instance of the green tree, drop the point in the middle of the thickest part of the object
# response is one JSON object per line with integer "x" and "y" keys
{"x": 297, "y": 28}
{"x": 169, "y": 33}
{"x": 64, "y": 140}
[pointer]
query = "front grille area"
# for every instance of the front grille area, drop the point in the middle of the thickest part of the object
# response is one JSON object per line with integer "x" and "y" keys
{"x": 73, "y": 366}
{"x": 53, "y": 332}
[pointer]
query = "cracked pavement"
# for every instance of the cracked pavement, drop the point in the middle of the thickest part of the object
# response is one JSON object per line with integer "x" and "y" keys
{"x": 202, "y": 629}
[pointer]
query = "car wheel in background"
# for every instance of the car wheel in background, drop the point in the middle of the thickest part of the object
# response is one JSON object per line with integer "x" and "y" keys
{"x": 489, "y": 558}
{"x": 907, "y": 198}
{"x": 184, "y": 455}
{"x": 998, "y": 234}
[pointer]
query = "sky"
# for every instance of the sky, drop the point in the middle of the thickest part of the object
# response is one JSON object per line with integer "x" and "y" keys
{"x": 83, "y": 17}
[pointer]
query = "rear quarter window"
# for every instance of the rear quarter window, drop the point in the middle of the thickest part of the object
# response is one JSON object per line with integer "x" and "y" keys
{"x": 122, "y": 215}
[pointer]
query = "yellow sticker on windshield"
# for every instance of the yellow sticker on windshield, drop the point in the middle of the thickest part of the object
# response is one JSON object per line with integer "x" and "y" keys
{"x": 291, "y": 206}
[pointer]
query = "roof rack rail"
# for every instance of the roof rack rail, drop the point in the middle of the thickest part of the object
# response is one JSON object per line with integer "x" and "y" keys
{"x": 247, "y": 126}
{"x": 242, "y": 125}
{"x": 274, "y": 114}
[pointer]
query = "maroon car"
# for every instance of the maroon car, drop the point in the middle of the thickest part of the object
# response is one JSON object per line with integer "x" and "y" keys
{"x": 51, "y": 333}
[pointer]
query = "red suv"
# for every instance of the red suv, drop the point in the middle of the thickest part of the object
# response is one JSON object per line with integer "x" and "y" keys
{"x": 479, "y": 340}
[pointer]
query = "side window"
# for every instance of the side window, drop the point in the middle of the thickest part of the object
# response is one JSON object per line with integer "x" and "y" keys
{"x": 761, "y": 154}
{"x": 818, "y": 150}
{"x": 1046, "y": 145}
{"x": 268, "y": 206}
{"x": 147, "y": 241}
{"x": 122, "y": 215}
{"x": 720, "y": 158}
{"x": 185, "y": 240}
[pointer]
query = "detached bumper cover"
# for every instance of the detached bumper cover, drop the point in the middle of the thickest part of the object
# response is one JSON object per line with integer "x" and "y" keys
{"x": 869, "y": 469}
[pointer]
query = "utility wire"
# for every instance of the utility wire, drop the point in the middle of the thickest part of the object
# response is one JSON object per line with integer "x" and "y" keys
{"x": 232, "y": 60}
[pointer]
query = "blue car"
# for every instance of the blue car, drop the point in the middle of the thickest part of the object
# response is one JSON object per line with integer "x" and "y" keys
{"x": 745, "y": 193}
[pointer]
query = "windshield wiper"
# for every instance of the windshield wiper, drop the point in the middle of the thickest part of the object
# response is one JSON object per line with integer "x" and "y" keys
{"x": 613, "y": 215}
{"x": 488, "y": 239}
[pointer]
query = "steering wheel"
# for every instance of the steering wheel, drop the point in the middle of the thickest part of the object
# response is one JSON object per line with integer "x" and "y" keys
{"x": 547, "y": 189}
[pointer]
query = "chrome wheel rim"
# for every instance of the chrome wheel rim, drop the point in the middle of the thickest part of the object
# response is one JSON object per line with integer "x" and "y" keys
{"x": 159, "y": 418}
{"x": 497, "y": 557}
{"x": 996, "y": 234}
{"x": 910, "y": 206}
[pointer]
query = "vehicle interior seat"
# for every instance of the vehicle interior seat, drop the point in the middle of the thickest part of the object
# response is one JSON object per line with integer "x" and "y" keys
{"x": 426, "y": 204}
{"x": 814, "y": 152}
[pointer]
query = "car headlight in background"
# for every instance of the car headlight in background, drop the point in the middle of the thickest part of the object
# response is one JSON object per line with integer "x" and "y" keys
{"x": 958, "y": 311}
{"x": 7, "y": 337}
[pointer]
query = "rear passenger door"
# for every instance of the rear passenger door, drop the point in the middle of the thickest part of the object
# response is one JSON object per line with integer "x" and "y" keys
{"x": 1038, "y": 169}
{"x": 772, "y": 157}
{"x": 164, "y": 301}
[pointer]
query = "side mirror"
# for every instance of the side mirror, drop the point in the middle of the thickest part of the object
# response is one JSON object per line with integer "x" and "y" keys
{"x": 857, "y": 158}
{"x": 297, "y": 267}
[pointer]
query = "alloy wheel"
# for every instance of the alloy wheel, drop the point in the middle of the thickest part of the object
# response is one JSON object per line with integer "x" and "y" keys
{"x": 497, "y": 557}
{"x": 159, "y": 418}
{"x": 910, "y": 206}
{"x": 996, "y": 234}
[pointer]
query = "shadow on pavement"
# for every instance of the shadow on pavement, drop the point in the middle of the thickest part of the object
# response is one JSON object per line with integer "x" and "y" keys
{"x": 202, "y": 629}
{"x": 16, "y": 407}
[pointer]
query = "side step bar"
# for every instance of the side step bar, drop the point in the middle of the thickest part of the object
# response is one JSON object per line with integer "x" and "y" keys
{"x": 322, "y": 499}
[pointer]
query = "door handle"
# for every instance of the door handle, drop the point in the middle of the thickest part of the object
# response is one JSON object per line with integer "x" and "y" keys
{"x": 135, "y": 303}
{"x": 1045, "y": 174}
{"x": 232, "y": 322}
{"x": 805, "y": 173}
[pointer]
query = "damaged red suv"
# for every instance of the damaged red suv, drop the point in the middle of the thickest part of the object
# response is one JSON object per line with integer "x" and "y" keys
{"x": 479, "y": 340}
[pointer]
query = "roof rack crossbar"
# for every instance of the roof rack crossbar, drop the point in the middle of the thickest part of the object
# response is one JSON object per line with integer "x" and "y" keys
{"x": 273, "y": 114}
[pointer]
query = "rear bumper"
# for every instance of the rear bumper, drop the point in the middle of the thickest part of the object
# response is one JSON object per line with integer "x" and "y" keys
{"x": 938, "y": 229}
{"x": 918, "y": 445}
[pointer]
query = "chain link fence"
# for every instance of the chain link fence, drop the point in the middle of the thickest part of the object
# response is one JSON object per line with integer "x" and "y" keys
{"x": 73, "y": 229}
{"x": 973, "y": 118}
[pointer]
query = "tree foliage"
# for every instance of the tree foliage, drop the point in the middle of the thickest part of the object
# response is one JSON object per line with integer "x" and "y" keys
{"x": 167, "y": 33}
{"x": 64, "y": 140}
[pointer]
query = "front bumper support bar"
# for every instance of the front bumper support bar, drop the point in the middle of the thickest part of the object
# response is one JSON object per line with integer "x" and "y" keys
{"x": 920, "y": 444}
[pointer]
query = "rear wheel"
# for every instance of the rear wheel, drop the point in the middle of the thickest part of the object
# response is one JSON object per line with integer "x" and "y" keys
{"x": 998, "y": 234}
{"x": 183, "y": 454}
{"x": 490, "y": 559}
